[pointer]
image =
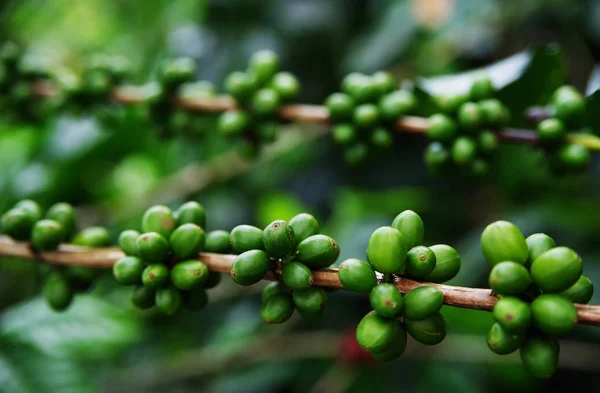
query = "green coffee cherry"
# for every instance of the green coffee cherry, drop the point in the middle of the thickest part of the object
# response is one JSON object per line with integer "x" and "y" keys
{"x": 233, "y": 123}
{"x": 239, "y": 85}
{"x": 554, "y": 314}
{"x": 64, "y": 214}
{"x": 173, "y": 72}
{"x": 487, "y": 142}
{"x": 396, "y": 104}
{"x": 128, "y": 270}
{"x": 168, "y": 300}
{"x": 155, "y": 276}
{"x": 436, "y": 156}
{"x": 428, "y": 331}
{"x": 187, "y": 241}
{"x": 569, "y": 104}
{"x": 142, "y": 297}
{"x": 57, "y": 291}
{"x": 463, "y": 151}
{"x": 190, "y": 213}
{"x": 297, "y": 276}
{"x": 512, "y": 313}
{"x": 381, "y": 137}
{"x": 359, "y": 86}
{"x": 340, "y": 106}
{"x": 494, "y": 113}
{"x": 317, "y": 251}
{"x": 482, "y": 88}
{"x": 344, "y": 134}
{"x": 246, "y": 237}
{"x": 422, "y": 302}
{"x": 573, "y": 157}
{"x": 441, "y": 128}
{"x": 17, "y": 223}
{"x": 264, "y": 64}
{"x": 32, "y": 208}
{"x": 383, "y": 82}
{"x": 213, "y": 279}
{"x": 311, "y": 301}
{"x": 375, "y": 333}
{"x": 449, "y": 104}
{"x": 274, "y": 288}
{"x": 250, "y": 267}
{"x": 304, "y": 225}
{"x": 556, "y": 269}
{"x": 469, "y": 116}
{"x": 365, "y": 116}
{"x": 581, "y": 292}
{"x": 195, "y": 299}
{"x": 279, "y": 239}
{"x": 128, "y": 242}
{"x": 158, "y": 219}
{"x": 411, "y": 227}
{"x": 93, "y": 237}
{"x": 540, "y": 356}
{"x": 217, "y": 241}
{"x": 189, "y": 274}
{"x": 277, "y": 309}
{"x": 509, "y": 278}
{"x": 537, "y": 244}
{"x": 395, "y": 349}
{"x": 46, "y": 235}
{"x": 503, "y": 241}
{"x": 551, "y": 131}
{"x": 502, "y": 341}
{"x": 386, "y": 300}
{"x": 420, "y": 261}
{"x": 387, "y": 249}
{"x": 265, "y": 102}
{"x": 286, "y": 85}
{"x": 447, "y": 263}
{"x": 152, "y": 247}
{"x": 357, "y": 276}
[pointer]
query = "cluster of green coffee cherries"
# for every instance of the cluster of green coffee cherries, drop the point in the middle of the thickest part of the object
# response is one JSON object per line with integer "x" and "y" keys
{"x": 24, "y": 222}
{"x": 538, "y": 284}
{"x": 463, "y": 133}
{"x": 259, "y": 92}
{"x": 365, "y": 112}
{"x": 162, "y": 262}
{"x": 292, "y": 248}
{"x": 397, "y": 251}
{"x": 567, "y": 110}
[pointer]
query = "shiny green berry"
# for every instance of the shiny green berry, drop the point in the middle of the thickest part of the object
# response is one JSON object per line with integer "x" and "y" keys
{"x": 381, "y": 137}
{"x": 279, "y": 239}
{"x": 277, "y": 309}
{"x": 152, "y": 247}
{"x": 250, "y": 267}
{"x": 375, "y": 333}
{"x": 239, "y": 85}
{"x": 359, "y": 86}
{"x": 187, "y": 241}
{"x": 422, "y": 302}
{"x": 386, "y": 300}
{"x": 487, "y": 142}
{"x": 573, "y": 157}
{"x": 357, "y": 276}
{"x": 32, "y": 208}
{"x": 428, "y": 331}
{"x": 128, "y": 270}
{"x": 344, "y": 134}
{"x": 581, "y": 292}
{"x": 441, "y": 128}
{"x": 142, "y": 297}
{"x": 540, "y": 356}
{"x": 46, "y": 235}
{"x": 447, "y": 263}
{"x": 554, "y": 314}
{"x": 265, "y": 102}
{"x": 297, "y": 276}
{"x": 274, "y": 288}
{"x": 93, "y": 237}
{"x": 310, "y": 301}
{"x": 394, "y": 105}
{"x": 420, "y": 261}
{"x": 469, "y": 116}
{"x": 317, "y": 251}
{"x": 304, "y": 225}
{"x": 569, "y": 104}
{"x": 383, "y": 82}
{"x": 509, "y": 278}
{"x": 449, "y": 104}
{"x": 436, "y": 156}
{"x": 64, "y": 214}
{"x": 168, "y": 300}
{"x": 195, "y": 299}
{"x": 395, "y": 349}
{"x": 537, "y": 244}
{"x": 411, "y": 227}
{"x": 57, "y": 291}
{"x": 551, "y": 131}
{"x": 264, "y": 64}
{"x": 512, "y": 313}
{"x": 365, "y": 116}
{"x": 463, "y": 151}
{"x": 340, "y": 106}
{"x": 17, "y": 223}
{"x": 286, "y": 85}
{"x": 502, "y": 341}
{"x": 503, "y": 241}
{"x": 128, "y": 242}
{"x": 190, "y": 213}
{"x": 189, "y": 274}
{"x": 387, "y": 249}
{"x": 159, "y": 219}
{"x": 556, "y": 270}
{"x": 233, "y": 122}
{"x": 217, "y": 241}
{"x": 247, "y": 237}
{"x": 155, "y": 276}
{"x": 494, "y": 113}
{"x": 482, "y": 87}
{"x": 173, "y": 72}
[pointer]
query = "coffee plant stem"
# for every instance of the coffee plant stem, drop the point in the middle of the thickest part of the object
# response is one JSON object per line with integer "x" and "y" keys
{"x": 472, "y": 298}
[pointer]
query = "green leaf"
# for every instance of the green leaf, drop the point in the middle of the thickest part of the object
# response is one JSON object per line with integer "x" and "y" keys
{"x": 90, "y": 329}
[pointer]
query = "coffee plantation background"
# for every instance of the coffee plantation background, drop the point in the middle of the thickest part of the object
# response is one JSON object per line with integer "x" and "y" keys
{"x": 112, "y": 170}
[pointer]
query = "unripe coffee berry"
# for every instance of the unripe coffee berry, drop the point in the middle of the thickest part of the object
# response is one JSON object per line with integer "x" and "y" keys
{"x": 297, "y": 276}
{"x": 569, "y": 104}
{"x": 422, "y": 302}
{"x": 386, "y": 250}
{"x": 436, "y": 156}
{"x": 411, "y": 227}
{"x": 512, "y": 313}
{"x": 396, "y": 104}
{"x": 152, "y": 247}
{"x": 250, "y": 267}
{"x": 128, "y": 242}
{"x": 310, "y": 301}
{"x": 265, "y": 102}
{"x": 233, "y": 123}
{"x": 386, "y": 300}
{"x": 168, "y": 300}
{"x": 46, "y": 235}
{"x": 128, "y": 270}
{"x": 420, "y": 261}
{"x": 359, "y": 86}
{"x": 395, "y": 349}
{"x": 239, "y": 85}
{"x": 57, "y": 291}
{"x": 503, "y": 241}
{"x": 32, "y": 208}
{"x": 246, "y": 238}
{"x": 447, "y": 263}
{"x": 494, "y": 113}
{"x": 581, "y": 292}
{"x": 158, "y": 219}
{"x": 556, "y": 269}
{"x": 375, "y": 333}
{"x": 441, "y": 128}
{"x": 286, "y": 85}
{"x": 17, "y": 223}
{"x": 279, "y": 239}
{"x": 189, "y": 274}
{"x": 274, "y": 288}
{"x": 304, "y": 225}
{"x": 381, "y": 137}
{"x": 428, "y": 331}
{"x": 365, "y": 116}
{"x": 155, "y": 276}
{"x": 340, "y": 106}
{"x": 551, "y": 131}
{"x": 93, "y": 237}
{"x": 190, "y": 213}
{"x": 464, "y": 150}
{"x": 482, "y": 88}
{"x": 487, "y": 142}
{"x": 143, "y": 297}
{"x": 264, "y": 64}
{"x": 509, "y": 278}
{"x": 64, "y": 214}
{"x": 573, "y": 156}
{"x": 357, "y": 276}
{"x": 186, "y": 241}
{"x": 317, "y": 251}
{"x": 554, "y": 314}
{"x": 540, "y": 356}
{"x": 383, "y": 83}
{"x": 537, "y": 244}
{"x": 277, "y": 309}
{"x": 217, "y": 241}
{"x": 344, "y": 134}
{"x": 502, "y": 341}
{"x": 469, "y": 116}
